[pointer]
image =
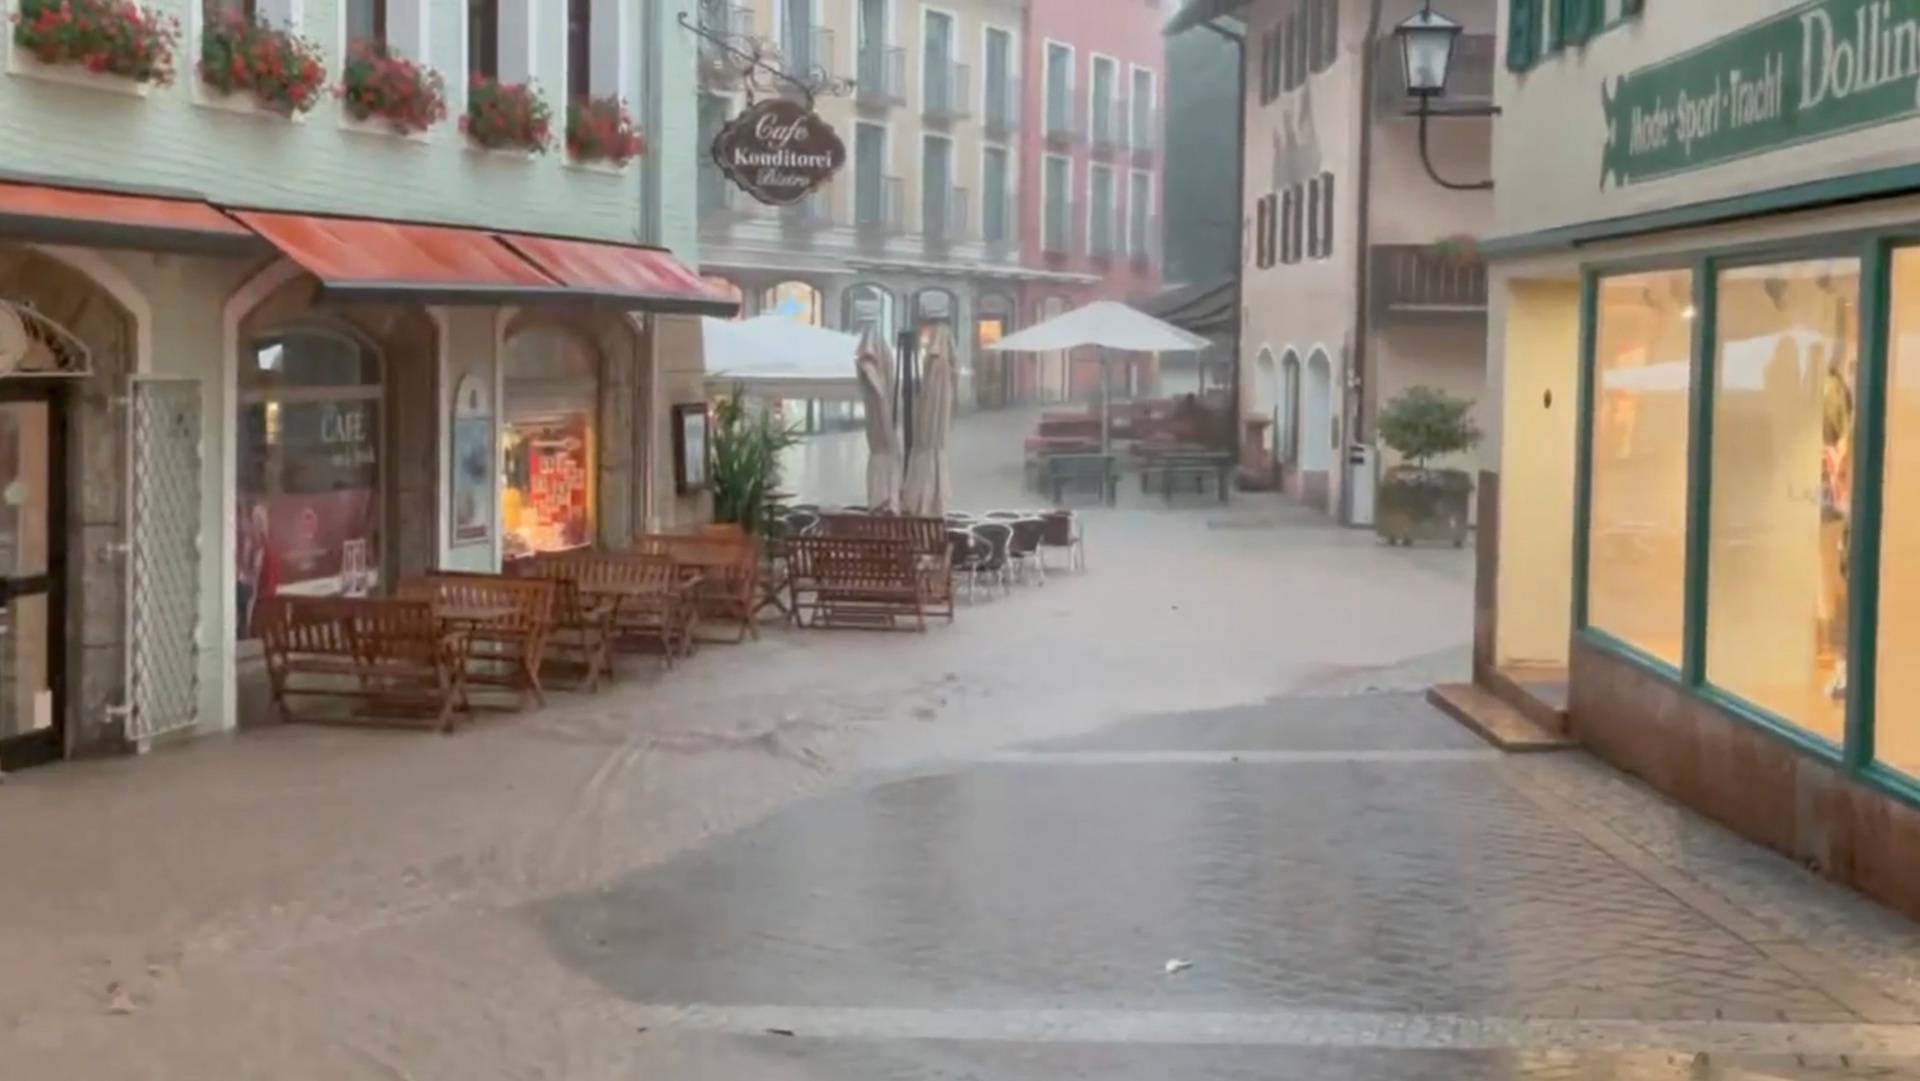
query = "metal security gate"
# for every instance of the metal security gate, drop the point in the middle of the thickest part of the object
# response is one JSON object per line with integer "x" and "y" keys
{"x": 163, "y": 557}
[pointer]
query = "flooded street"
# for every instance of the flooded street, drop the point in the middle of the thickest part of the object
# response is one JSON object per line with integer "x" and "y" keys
{"x": 973, "y": 853}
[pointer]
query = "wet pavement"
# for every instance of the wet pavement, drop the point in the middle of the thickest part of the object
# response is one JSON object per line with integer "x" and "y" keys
{"x": 969, "y": 854}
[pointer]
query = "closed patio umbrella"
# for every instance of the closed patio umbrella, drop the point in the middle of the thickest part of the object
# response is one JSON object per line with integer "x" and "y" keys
{"x": 929, "y": 481}
{"x": 875, "y": 366}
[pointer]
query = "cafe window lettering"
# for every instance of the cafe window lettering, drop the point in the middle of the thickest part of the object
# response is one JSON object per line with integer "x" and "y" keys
{"x": 547, "y": 445}
{"x": 309, "y": 469}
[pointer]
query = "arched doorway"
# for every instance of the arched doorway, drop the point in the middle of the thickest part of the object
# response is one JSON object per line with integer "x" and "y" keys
{"x": 549, "y": 432}
{"x": 1316, "y": 430}
{"x": 1055, "y": 371}
{"x": 796, "y": 300}
{"x": 993, "y": 320}
{"x": 869, "y": 306}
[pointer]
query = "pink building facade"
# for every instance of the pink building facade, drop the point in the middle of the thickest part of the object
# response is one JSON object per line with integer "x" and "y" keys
{"x": 1090, "y": 174}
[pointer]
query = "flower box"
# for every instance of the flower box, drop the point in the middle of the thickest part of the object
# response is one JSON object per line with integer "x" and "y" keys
{"x": 377, "y": 84}
{"x": 507, "y": 116}
{"x": 601, "y": 129}
{"x": 283, "y": 71}
{"x": 105, "y": 37}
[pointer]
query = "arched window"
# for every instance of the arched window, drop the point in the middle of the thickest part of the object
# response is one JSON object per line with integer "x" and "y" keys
{"x": 868, "y": 305}
{"x": 308, "y": 467}
{"x": 551, "y": 393}
{"x": 795, "y": 300}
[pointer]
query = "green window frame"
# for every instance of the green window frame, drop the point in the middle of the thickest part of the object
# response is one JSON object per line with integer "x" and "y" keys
{"x": 1855, "y": 757}
{"x": 1523, "y": 34}
{"x": 1537, "y": 29}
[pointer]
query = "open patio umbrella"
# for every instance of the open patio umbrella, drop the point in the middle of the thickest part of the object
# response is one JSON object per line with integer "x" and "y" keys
{"x": 777, "y": 357}
{"x": 1106, "y": 325}
{"x": 875, "y": 366}
{"x": 929, "y": 481}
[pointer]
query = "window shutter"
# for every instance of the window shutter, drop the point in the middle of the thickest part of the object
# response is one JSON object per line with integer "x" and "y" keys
{"x": 1326, "y": 215}
{"x": 1523, "y": 34}
{"x": 1273, "y": 229}
{"x": 1330, "y": 34}
{"x": 1313, "y": 218}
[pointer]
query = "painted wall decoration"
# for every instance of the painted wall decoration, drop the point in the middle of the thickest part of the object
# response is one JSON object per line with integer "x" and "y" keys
{"x": 471, "y": 488}
{"x": 778, "y": 151}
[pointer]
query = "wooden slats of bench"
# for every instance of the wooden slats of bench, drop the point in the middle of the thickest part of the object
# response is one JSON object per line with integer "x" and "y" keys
{"x": 856, "y": 582}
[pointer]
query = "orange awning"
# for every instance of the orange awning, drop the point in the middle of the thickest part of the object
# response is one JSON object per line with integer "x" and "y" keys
{"x": 365, "y": 259}
{"x": 106, "y": 219}
{"x": 642, "y": 278}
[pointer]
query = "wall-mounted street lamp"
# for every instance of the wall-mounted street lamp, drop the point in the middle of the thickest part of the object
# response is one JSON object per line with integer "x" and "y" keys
{"x": 1427, "y": 41}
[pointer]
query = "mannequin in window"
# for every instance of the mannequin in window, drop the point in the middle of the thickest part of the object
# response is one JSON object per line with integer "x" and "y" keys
{"x": 1836, "y": 512}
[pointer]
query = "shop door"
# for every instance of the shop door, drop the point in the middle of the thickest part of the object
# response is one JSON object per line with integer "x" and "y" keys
{"x": 30, "y": 579}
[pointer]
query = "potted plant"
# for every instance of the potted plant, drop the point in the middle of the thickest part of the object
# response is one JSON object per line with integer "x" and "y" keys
{"x": 601, "y": 129}
{"x": 507, "y": 116}
{"x": 376, "y": 82}
{"x": 282, "y": 70}
{"x": 107, "y": 37}
{"x": 1418, "y": 502}
{"x": 747, "y": 445}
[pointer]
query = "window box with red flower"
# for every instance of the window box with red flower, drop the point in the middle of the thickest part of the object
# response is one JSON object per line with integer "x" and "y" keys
{"x": 103, "y": 42}
{"x": 283, "y": 71}
{"x": 378, "y": 85}
{"x": 507, "y": 116}
{"x": 601, "y": 129}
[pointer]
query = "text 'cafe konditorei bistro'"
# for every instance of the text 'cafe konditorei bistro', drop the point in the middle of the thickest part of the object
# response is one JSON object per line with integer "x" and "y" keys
{"x": 1701, "y": 535}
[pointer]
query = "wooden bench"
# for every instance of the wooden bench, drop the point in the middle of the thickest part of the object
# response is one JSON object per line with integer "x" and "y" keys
{"x": 1198, "y": 468}
{"x": 580, "y": 640}
{"x": 727, "y": 563}
{"x": 649, "y": 593}
{"x": 871, "y": 582}
{"x": 506, "y": 621}
{"x": 933, "y": 554}
{"x": 392, "y": 659}
{"x": 1098, "y": 471}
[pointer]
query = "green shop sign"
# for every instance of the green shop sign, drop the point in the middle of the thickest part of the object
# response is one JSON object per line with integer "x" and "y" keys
{"x": 1816, "y": 70}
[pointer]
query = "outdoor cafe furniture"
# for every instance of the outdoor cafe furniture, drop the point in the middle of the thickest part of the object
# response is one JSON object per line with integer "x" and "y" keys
{"x": 722, "y": 567}
{"x": 504, "y": 622}
{"x": 651, "y": 596}
{"x": 1023, "y": 548}
{"x": 580, "y": 641}
{"x": 1100, "y": 472}
{"x": 1173, "y": 465}
{"x": 867, "y": 582}
{"x": 927, "y": 538}
{"x": 1064, "y": 529}
{"x": 392, "y": 660}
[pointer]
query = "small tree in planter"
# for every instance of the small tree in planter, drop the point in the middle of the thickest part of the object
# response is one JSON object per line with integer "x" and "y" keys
{"x": 601, "y": 129}
{"x": 507, "y": 116}
{"x": 747, "y": 445}
{"x": 1418, "y": 502}
{"x": 376, "y": 83}
{"x": 282, "y": 70}
{"x": 107, "y": 37}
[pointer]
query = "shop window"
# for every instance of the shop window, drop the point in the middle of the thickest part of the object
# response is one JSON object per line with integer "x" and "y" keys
{"x": 308, "y": 465}
{"x": 552, "y": 394}
{"x": 1783, "y": 413}
{"x": 1637, "y": 509}
{"x": 1897, "y": 691}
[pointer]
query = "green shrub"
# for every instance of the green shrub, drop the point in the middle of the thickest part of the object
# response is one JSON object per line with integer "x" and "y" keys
{"x": 1424, "y": 424}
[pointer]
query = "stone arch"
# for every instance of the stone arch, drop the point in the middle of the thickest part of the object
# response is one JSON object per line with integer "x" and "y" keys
{"x": 1316, "y": 430}
{"x": 621, "y": 431}
{"x": 795, "y": 298}
{"x": 1290, "y": 406}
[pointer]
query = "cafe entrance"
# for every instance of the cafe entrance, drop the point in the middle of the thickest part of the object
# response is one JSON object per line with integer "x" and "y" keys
{"x": 31, "y": 572}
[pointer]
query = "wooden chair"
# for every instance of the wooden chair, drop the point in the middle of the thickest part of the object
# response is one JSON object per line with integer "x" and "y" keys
{"x": 649, "y": 594}
{"x": 390, "y": 658}
{"x": 728, "y": 564}
{"x": 581, "y": 638}
{"x": 506, "y": 621}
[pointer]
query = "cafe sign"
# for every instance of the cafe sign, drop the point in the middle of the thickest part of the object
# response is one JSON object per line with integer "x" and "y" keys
{"x": 1817, "y": 70}
{"x": 778, "y": 150}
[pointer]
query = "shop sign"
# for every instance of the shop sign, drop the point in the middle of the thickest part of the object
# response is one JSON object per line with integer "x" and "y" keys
{"x": 778, "y": 150}
{"x": 1819, "y": 69}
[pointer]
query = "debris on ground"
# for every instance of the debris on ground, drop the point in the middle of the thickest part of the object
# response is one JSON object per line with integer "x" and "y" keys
{"x": 1177, "y": 966}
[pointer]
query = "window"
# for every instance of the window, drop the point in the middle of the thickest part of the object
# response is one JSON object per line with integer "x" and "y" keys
{"x": 579, "y": 48}
{"x": 1271, "y": 234}
{"x": 1059, "y": 89}
{"x": 937, "y": 74}
{"x": 213, "y": 9}
{"x": 1313, "y": 218}
{"x": 1296, "y": 59}
{"x": 367, "y": 20}
{"x": 1287, "y": 225}
{"x": 552, "y": 393}
{"x": 1100, "y": 194}
{"x": 936, "y": 186}
{"x": 1000, "y": 98}
{"x": 483, "y": 38}
{"x": 1523, "y": 34}
{"x": 996, "y": 212}
{"x": 797, "y": 37}
{"x": 1145, "y": 101}
{"x": 1327, "y": 48}
{"x": 1293, "y": 248}
{"x": 869, "y": 174}
{"x": 1897, "y": 694}
{"x": 1059, "y": 220}
{"x": 1266, "y": 67}
{"x": 1785, "y": 360}
{"x": 1139, "y": 212}
{"x": 308, "y": 469}
{"x": 1326, "y": 215}
{"x": 1262, "y": 228}
{"x": 1637, "y": 487}
{"x": 1106, "y": 121}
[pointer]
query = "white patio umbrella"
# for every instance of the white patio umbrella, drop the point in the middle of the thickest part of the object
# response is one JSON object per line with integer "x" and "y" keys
{"x": 929, "y": 480}
{"x": 883, "y": 442}
{"x": 1107, "y": 325}
{"x": 779, "y": 357}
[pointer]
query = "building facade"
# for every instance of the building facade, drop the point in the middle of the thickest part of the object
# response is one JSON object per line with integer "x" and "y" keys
{"x": 254, "y": 343}
{"x": 1352, "y": 293}
{"x": 933, "y": 219}
{"x": 1697, "y": 550}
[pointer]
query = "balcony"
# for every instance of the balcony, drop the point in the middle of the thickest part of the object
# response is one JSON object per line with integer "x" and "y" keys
{"x": 944, "y": 221}
{"x": 811, "y": 214}
{"x": 812, "y": 53}
{"x": 1109, "y": 125}
{"x": 1000, "y": 226}
{"x": 718, "y": 69}
{"x": 946, "y": 91}
{"x": 1413, "y": 282}
{"x": 1469, "y": 77}
{"x": 881, "y": 79}
{"x": 1003, "y": 109}
{"x": 1066, "y": 120}
{"x": 880, "y": 211}
{"x": 1057, "y": 231}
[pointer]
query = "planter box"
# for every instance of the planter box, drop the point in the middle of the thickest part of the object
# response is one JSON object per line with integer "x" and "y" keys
{"x": 1423, "y": 505}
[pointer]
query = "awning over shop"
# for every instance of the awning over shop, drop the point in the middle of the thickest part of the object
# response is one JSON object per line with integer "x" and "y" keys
{"x": 54, "y": 214}
{"x": 652, "y": 279}
{"x": 364, "y": 259}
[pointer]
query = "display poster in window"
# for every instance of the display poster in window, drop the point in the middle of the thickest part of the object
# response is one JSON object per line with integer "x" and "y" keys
{"x": 308, "y": 512}
{"x": 546, "y": 498}
{"x": 471, "y": 490}
{"x": 778, "y": 151}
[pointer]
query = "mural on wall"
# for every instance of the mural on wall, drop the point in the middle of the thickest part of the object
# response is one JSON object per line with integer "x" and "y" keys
{"x": 1296, "y": 145}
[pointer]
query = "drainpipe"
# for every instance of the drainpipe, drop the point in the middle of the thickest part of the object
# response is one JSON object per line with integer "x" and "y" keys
{"x": 1240, "y": 234}
{"x": 1361, "y": 356}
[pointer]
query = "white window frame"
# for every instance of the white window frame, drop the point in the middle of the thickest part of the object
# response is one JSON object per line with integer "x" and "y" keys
{"x": 927, "y": 138}
{"x": 275, "y": 13}
{"x": 987, "y": 30}
{"x": 1113, "y": 196}
{"x": 1008, "y": 184}
{"x": 1134, "y": 71}
{"x": 918, "y": 57}
{"x": 1046, "y": 201}
{"x": 1147, "y": 224}
{"x": 409, "y": 32}
{"x": 889, "y": 27}
{"x": 1046, "y": 77}
{"x": 1093, "y": 87}
{"x": 608, "y": 54}
{"x": 519, "y": 42}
